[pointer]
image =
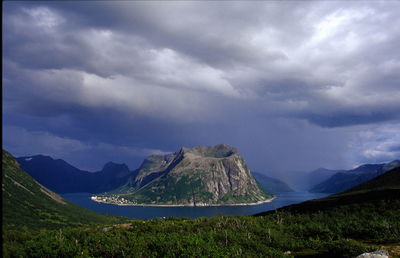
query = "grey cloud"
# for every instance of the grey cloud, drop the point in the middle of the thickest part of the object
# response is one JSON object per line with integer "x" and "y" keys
{"x": 394, "y": 148}
{"x": 160, "y": 75}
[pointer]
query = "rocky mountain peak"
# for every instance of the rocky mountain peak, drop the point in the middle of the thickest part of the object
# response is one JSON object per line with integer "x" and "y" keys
{"x": 216, "y": 151}
{"x": 203, "y": 175}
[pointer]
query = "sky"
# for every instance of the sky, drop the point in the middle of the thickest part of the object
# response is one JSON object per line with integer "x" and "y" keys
{"x": 293, "y": 85}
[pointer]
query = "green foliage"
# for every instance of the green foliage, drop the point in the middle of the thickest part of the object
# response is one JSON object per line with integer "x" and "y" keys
{"x": 339, "y": 232}
{"x": 35, "y": 225}
{"x": 346, "y": 248}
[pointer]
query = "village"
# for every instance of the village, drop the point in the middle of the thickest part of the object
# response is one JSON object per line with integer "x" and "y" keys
{"x": 114, "y": 199}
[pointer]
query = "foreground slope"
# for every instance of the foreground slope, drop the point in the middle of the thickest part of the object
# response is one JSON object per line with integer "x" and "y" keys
{"x": 199, "y": 176}
{"x": 344, "y": 180}
{"x": 344, "y": 230}
{"x": 28, "y": 203}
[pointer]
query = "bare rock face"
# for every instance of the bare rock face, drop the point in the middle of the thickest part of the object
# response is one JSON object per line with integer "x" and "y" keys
{"x": 198, "y": 176}
{"x": 376, "y": 254}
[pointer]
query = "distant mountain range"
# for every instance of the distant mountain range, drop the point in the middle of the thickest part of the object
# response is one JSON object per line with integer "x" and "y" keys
{"x": 27, "y": 202}
{"x": 62, "y": 177}
{"x": 199, "y": 176}
{"x": 271, "y": 184}
{"x": 345, "y": 179}
{"x": 319, "y": 175}
{"x": 386, "y": 187}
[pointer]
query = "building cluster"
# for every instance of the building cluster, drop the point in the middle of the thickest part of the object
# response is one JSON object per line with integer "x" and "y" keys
{"x": 113, "y": 199}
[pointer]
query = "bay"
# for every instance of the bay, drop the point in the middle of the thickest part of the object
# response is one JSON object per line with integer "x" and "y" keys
{"x": 282, "y": 199}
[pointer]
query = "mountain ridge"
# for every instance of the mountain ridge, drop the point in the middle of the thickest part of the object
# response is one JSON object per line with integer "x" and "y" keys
{"x": 62, "y": 177}
{"x": 271, "y": 184}
{"x": 347, "y": 179}
{"x": 383, "y": 187}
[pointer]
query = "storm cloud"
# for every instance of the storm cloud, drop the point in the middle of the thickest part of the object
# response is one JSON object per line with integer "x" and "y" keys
{"x": 293, "y": 86}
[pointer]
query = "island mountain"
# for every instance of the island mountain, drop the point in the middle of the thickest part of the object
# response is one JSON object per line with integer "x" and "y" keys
{"x": 199, "y": 176}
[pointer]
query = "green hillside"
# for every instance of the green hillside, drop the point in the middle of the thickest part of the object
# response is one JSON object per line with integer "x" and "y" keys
{"x": 345, "y": 229}
{"x": 26, "y": 203}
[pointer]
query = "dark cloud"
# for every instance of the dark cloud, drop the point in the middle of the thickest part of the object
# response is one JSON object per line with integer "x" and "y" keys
{"x": 284, "y": 82}
{"x": 352, "y": 118}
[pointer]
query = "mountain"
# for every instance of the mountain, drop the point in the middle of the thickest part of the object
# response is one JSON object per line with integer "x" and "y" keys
{"x": 271, "y": 184}
{"x": 199, "y": 176}
{"x": 301, "y": 180}
{"x": 61, "y": 177}
{"x": 386, "y": 181}
{"x": 385, "y": 187}
{"x": 28, "y": 203}
{"x": 344, "y": 180}
{"x": 319, "y": 175}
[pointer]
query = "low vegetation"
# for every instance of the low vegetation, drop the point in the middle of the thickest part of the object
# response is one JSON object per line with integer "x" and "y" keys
{"x": 344, "y": 231}
{"x": 38, "y": 223}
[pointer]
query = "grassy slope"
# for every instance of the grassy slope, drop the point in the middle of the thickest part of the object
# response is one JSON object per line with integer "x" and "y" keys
{"x": 27, "y": 203}
{"x": 346, "y": 230}
{"x": 322, "y": 234}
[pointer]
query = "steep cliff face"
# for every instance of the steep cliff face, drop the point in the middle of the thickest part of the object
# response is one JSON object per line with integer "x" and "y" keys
{"x": 197, "y": 176}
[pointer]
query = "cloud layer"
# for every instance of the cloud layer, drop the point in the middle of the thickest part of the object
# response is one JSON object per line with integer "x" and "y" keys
{"x": 159, "y": 75}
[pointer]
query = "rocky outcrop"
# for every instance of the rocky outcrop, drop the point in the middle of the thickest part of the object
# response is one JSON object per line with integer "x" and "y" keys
{"x": 197, "y": 176}
{"x": 376, "y": 254}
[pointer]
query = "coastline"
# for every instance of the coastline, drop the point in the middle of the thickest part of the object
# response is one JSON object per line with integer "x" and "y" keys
{"x": 183, "y": 205}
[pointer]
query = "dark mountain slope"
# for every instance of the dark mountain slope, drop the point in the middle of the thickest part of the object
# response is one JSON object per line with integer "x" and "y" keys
{"x": 62, "y": 177}
{"x": 319, "y": 175}
{"x": 347, "y": 179}
{"x": 28, "y": 203}
{"x": 386, "y": 181}
{"x": 271, "y": 184}
{"x": 385, "y": 187}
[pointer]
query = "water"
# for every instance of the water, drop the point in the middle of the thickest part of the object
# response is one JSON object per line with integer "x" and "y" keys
{"x": 282, "y": 199}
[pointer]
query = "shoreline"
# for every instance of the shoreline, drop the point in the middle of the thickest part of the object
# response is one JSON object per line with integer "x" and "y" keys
{"x": 184, "y": 205}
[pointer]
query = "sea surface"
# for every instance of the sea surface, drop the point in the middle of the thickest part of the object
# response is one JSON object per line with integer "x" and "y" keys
{"x": 282, "y": 199}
